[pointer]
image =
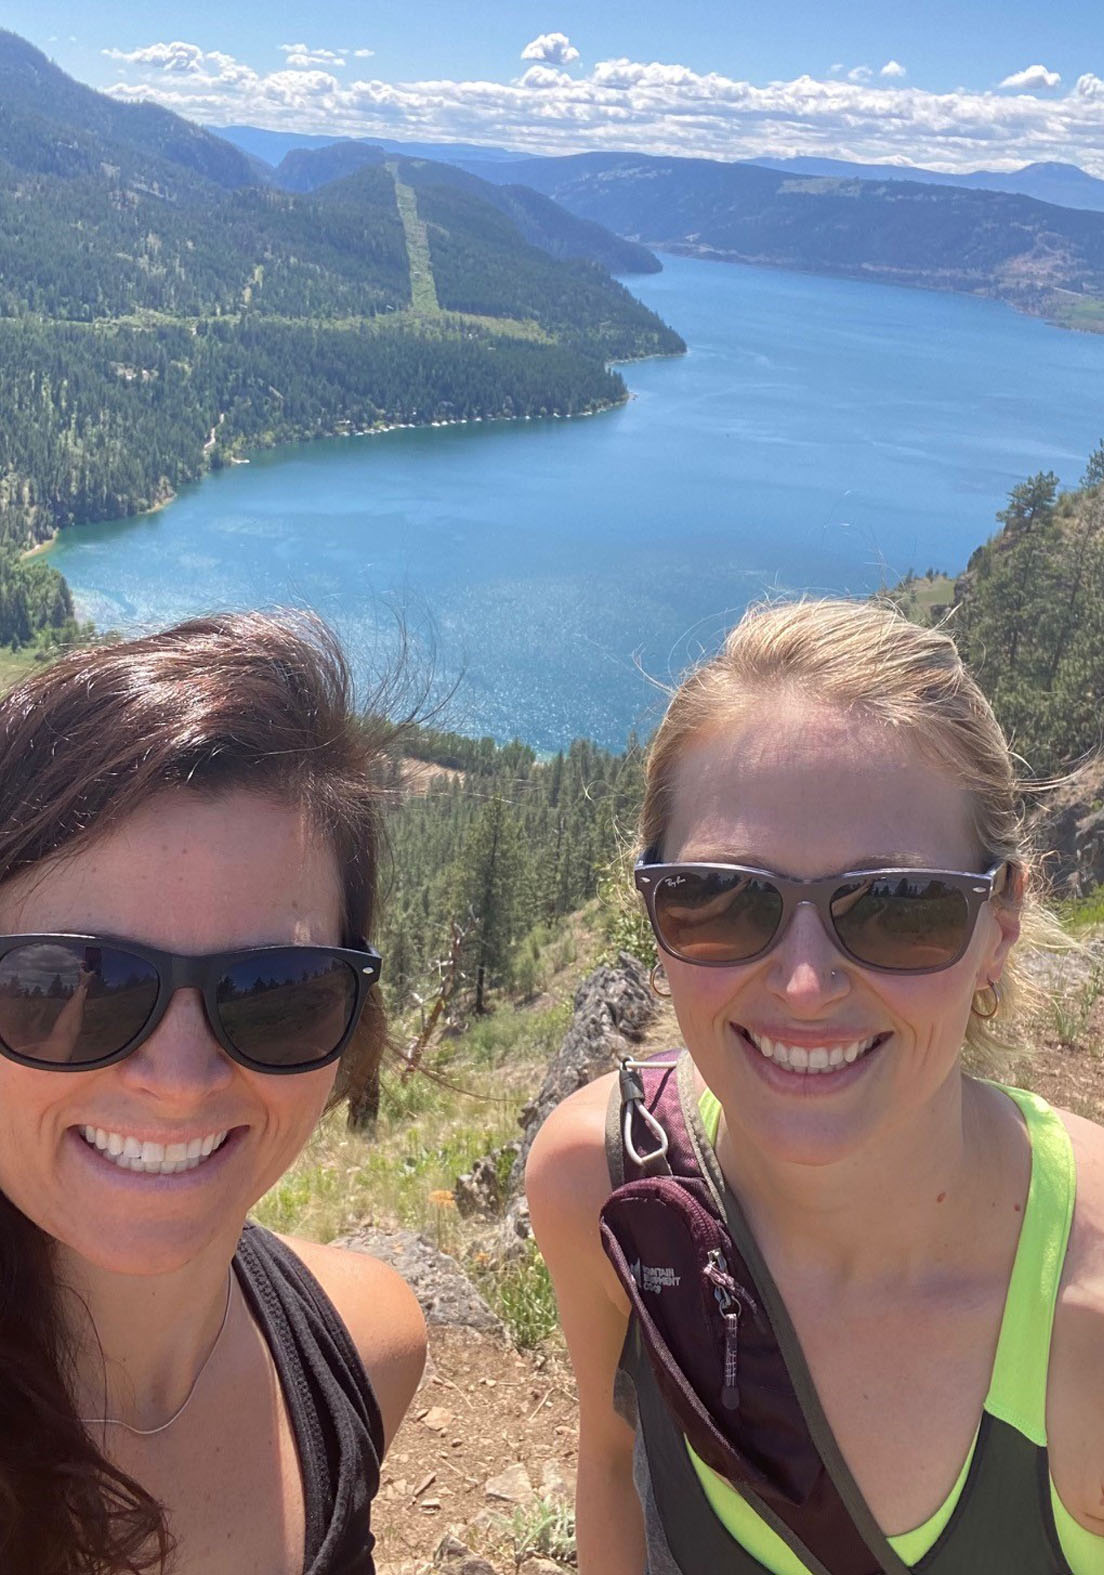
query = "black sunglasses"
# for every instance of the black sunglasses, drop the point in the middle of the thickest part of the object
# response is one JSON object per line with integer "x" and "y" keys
{"x": 895, "y": 920}
{"x": 72, "y": 1002}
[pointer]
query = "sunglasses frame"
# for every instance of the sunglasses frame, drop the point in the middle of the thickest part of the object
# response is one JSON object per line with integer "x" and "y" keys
{"x": 176, "y": 971}
{"x": 977, "y": 889}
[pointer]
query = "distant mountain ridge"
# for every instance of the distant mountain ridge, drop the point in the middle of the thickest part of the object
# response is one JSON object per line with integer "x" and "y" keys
{"x": 1065, "y": 185}
{"x": 1039, "y": 257}
{"x": 274, "y": 146}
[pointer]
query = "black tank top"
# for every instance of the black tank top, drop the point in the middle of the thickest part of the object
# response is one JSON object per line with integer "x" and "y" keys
{"x": 334, "y": 1416}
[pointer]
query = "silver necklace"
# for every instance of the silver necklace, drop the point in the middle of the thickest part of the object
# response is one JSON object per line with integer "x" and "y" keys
{"x": 151, "y": 1432}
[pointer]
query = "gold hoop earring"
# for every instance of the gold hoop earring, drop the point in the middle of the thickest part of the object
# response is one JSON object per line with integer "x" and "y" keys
{"x": 994, "y": 998}
{"x": 659, "y": 976}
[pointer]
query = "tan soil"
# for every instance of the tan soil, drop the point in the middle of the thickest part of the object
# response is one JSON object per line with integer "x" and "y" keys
{"x": 482, "y": 1406}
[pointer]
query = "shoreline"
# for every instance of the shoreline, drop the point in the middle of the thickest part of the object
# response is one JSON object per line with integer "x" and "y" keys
{"x": 41, "y": 548}
{"x": 1045, "y": 312}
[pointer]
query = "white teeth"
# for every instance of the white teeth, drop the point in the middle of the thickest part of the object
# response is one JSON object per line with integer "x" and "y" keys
{"x": 796, "y": 1058}
{"x": 151, "y": 1158}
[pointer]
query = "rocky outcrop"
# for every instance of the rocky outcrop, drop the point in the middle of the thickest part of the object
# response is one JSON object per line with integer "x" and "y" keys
{"x": 1069, "y": 829}
{"x": 613, "y": 1008}
{"x": 444, "y": 1292}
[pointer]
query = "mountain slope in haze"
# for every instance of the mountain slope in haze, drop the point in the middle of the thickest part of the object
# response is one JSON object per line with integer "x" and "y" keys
{"x": 273, "y": 146}
{"x": 539, "y": 220}
{"x": 1065, "y": 185}
{"x": 1038, "y": 257}
{"x": 155, "y": 319}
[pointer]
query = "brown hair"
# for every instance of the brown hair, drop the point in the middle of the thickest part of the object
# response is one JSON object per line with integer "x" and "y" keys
{"x": 866, "y": 658}
{"x": 246, "y": 700}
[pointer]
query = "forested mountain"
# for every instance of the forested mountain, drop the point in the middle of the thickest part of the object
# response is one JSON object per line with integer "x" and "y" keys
{"x": 160, "y": 308}
{"x": 1038, "y": 257}
{"x": 1029, "y": 618}
{"x": 539, "y": 220}
{"x": 52, "y": 125}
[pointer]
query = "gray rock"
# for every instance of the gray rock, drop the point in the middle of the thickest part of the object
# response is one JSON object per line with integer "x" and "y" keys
{"x": 479, "y": 1190}
{"x": 512, "y": 1486}
{"x": 554, "y": 1486}
{"x": 450, "y": 1548}
{"x": 444, "y": 1292}
{"x": 1069, "y": 828}
{"x": 613, "y": 1008}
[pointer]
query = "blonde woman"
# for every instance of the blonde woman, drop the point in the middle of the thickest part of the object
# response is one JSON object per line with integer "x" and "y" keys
{"x": 901, "y": 1344}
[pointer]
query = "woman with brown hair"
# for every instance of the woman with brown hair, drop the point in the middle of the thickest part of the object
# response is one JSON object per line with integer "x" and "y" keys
{"x": 834, "y": 1305}
{"x": 189, "y": 848}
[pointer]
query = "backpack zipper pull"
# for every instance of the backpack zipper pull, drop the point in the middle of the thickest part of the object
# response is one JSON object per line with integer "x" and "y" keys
{"x": 731, "y": 1299}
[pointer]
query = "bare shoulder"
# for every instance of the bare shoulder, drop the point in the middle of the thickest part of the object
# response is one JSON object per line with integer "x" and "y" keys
{"x": 382, "y": 1316}
{"x": 1077, "y": 1354}
{"x": 1086, "y": 1257}
{"x": 567, "y": 1162}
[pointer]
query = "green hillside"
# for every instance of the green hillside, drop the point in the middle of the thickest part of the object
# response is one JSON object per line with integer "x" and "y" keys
{"x": 539, "y": 220}
{"x": 160, "y": 308}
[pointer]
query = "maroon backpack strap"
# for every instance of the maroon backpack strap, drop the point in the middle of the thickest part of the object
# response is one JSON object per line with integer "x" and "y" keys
{"x": 720, "y": 1347}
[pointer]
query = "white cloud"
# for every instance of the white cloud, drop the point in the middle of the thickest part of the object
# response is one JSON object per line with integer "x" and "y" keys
{"x": 555, "y": 49}
{"x": 302, "y": 58}
{"x": 363, "y": 54}
{"x": 637, "y": 106}
{"x": 859, "y": 74}
{"x": 893, "y": 68}
{"x": 544, "y": 77}
{"x": 176, "y": 56}
{"x": 1032, "y": 77}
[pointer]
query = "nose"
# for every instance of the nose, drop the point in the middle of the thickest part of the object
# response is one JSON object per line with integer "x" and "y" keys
{"x": 180, "y": 1065}
{"x": 807, "y": 969}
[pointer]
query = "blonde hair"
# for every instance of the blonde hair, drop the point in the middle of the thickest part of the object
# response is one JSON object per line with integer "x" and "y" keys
{"x": 868, "y": 659}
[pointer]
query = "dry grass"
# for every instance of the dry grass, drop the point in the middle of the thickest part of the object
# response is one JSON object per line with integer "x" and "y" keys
{"x": 432, "y": 1128}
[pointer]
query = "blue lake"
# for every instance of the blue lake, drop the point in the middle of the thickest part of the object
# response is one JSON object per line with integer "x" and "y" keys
{"x": 820, "y": 434}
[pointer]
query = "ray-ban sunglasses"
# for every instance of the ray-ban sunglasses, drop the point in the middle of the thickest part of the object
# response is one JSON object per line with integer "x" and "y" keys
{"x": 895, "y": 920}
{"x": 73, "y": 1002}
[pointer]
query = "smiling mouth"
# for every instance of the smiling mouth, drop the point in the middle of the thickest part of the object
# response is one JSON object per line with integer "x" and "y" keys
{"x": 152, "y": 1159}
{"x": 812, "y": 1060}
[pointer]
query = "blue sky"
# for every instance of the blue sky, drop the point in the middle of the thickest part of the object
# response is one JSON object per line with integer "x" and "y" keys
{"x": 952, "y": 85}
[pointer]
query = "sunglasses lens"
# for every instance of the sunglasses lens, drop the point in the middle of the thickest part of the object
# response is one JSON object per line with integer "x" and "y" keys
{"x": 287, "y": 1008}
{"x": 902, "y": 924}
{"x": 67, "y": 1004}
{"x": 716, "y": 916}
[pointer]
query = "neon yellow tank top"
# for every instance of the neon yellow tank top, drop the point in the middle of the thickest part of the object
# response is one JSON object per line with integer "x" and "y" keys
{"x": 1017, "y": 1386}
